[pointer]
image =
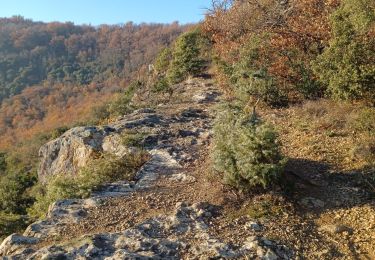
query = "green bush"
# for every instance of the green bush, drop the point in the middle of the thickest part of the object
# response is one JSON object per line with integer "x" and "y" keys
{"x": 100, "y": 113}
{"x": 308, "y": 86}
{"x": 162, "y": 86}
{"x": 163, "y": 60}
{"x": 104, "y": 169}
{"x": 18, "y": 172}
{"x": 59, "y": 187}
{"x": 109, "y": 168}
{"x": 132, "y": 138}
{"x": 246, "y": 150}
{"x": 11, "y": 223}
{"x": 120, "y": 106}
{"x": 249, "y": 80}
{"x": 260, "y": 86}
{"x": 17, "y": 176}
{"x": 186, "y": 57}
{"x": 3, "y": 164}
{"x": 13, "y": 195}
{"x": 58, "y": 132}
{"x": 347, "y": 66}
{"x": 123, "y": 105}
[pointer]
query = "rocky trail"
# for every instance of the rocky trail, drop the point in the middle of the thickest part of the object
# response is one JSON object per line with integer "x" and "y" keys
{"x": 165, "y": 214}
{"x": 177, "y": 209}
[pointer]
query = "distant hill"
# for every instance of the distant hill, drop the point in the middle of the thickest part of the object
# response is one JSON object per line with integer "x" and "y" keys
{"x": 70, "y": 69}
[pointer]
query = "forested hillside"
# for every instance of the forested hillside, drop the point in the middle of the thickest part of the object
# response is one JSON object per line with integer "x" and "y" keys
{"x": 33, "y": 52}
{"x": 52, "y": 74}
{"x": 253, "y": 130}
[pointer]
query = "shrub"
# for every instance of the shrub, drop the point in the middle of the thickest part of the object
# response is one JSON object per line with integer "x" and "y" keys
{"x": 104, "y": 169}
{"x": 3, "y": 164}
{"x": 13, "y": 195}
{"x": 58, "y": 132}
{"x": 58, "y": 187}
{"x": 163, "y": 60}
{"x": 264, "y": 209}
{"x": 363, "y": 123}
{"x": 18, "y": 172}
{"x": 308, "y": 86}
{"x": 347, "y": 66}
{"x": 123, "y": 105}
{"x": 325, "y": 114}
{"x": 251, "y": 79}
{"x": 186, "y": 60}
{"x": 100, "y": 113}
{"x": 132, "y": 138}
{"x": 11, "y": 223}
{"x": 120, "y": 106}
{"x": 162, "y": 86}
{"x": 364, "y": 149}
{"x": 110, "y": 168}
{"x": 260, "y": 86}
{"x": 246, "y": 150}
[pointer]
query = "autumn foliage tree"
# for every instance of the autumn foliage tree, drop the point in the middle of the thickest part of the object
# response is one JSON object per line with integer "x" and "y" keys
{"x": 53, "y": 74}
{"x": 288, "y": 35}
{"x": 32, "y": 53}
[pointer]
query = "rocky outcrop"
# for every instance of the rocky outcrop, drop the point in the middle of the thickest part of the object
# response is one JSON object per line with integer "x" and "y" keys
{"x": 15, "y": 242}
{"x": 71, "y": 151}
{"x": 184, "y": 234}
{"x": 75, "y": 148}
{"x": 175, "y": 136}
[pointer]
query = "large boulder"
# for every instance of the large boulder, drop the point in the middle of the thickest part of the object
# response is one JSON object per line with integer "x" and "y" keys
{"x": 66, "y": 154}
{"x": 76, "y": 147}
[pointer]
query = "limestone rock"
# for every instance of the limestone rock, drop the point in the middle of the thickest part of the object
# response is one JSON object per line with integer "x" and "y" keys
{"x": 76, "y": 147}
{"x": 182, "y": 177}
{"x": 336, "y": 229}
{"x": 162, "y": 237}
{"x": 14, "y": 242}
{"x": 70, "y": 151}
{"x": 252, "y": 225}
{"x": 311, "y": 202}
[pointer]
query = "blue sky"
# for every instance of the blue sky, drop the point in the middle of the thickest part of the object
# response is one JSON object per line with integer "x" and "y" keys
{"x": 97, "y": 12}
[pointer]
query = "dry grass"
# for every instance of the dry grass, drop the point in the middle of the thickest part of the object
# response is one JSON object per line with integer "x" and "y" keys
{"x": 328, "y": 132}
{"x": 265, "y": 206}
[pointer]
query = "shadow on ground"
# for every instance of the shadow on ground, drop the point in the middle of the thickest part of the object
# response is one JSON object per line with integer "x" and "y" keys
{"x": 317, "y": 187}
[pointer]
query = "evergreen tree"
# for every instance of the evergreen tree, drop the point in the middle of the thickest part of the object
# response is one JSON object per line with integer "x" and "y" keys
{"x": 163, "y": 60}
{"x": 186, "y": 59}
{"x": 347, "y": 66}
{"x": 246, "y": 150}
